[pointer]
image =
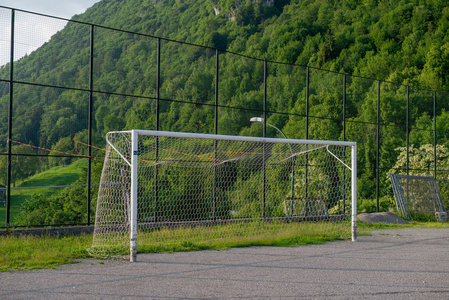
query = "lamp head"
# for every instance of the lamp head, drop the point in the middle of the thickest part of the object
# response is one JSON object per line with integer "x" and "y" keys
{"x": 257, "y": 119}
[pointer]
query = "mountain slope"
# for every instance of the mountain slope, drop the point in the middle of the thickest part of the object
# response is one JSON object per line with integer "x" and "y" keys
{"x": 400, "y": 41}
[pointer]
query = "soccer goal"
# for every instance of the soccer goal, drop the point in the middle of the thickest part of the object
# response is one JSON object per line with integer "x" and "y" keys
{"x": 418, "y": 196}
{"x": 160, "y": 188}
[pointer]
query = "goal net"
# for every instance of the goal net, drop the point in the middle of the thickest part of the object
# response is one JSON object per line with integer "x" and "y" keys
{"x": 162, "y": 188}
{"x": 417, "y": 196}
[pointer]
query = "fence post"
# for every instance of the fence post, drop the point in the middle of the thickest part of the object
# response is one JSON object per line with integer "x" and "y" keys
{"x": 307, "y": 134}
{"x": 407, "y": 131}
{"x": 217, "y": 53}
{"x": 407, "y": 166}
{"x": 156, "y": 170}
{"x": 158, "y": 82}
{"x": 91, "y": 86}
{"x": 435, "y": 133}
{"x": 264, "y": 131}
{"x": 307, "y": 103}
{"x": 344, "y": 139}
{"x": 377, "y": 146}
{"x": 11, "y": 89}
{"x": 217, "y": 66}
{"x": 344, "y": 107}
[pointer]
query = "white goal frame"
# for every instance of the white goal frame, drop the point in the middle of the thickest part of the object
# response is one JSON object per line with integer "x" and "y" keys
{"x": 134, "y": 167}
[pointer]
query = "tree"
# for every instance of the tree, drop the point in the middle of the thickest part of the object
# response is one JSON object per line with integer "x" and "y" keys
{"x": 435, "y": 74}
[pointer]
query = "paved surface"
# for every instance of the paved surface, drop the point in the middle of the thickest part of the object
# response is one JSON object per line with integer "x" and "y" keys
{"x": 398, "y": 264}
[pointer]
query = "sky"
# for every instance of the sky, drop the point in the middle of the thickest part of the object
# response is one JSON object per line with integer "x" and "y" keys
{"x": 32, "y": 31}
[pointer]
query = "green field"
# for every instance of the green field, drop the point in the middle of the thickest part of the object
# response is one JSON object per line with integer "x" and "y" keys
{"x": 59, "y": 175}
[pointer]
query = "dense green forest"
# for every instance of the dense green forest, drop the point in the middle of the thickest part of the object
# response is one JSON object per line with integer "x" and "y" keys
{"x": 402, "y": 43}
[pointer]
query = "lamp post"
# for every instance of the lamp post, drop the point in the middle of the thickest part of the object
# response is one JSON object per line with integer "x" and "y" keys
{"x": 262, "y": 120}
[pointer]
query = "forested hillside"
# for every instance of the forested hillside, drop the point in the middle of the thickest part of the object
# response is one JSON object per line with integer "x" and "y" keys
{"x": 404, "y": 42}
{"x": 401, "y": 41}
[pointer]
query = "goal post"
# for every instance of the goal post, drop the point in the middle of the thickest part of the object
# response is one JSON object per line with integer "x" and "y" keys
{"x": 134, "y": 191}
{"x": 164, "y": 187}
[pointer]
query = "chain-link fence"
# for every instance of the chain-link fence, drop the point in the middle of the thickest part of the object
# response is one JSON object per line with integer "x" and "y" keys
{"x": 60, "y": 95}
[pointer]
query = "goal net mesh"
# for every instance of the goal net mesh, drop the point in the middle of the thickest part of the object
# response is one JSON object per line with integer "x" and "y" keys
{"x": 197, "y": 191}
{"x": 416, "y": 196}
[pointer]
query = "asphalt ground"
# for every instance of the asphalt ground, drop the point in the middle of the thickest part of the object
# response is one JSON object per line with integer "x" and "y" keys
{"x": 393, "y": 264}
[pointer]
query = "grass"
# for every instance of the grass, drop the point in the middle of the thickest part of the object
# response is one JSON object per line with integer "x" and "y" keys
{"x": 412, "y": 224}
{"x": 28, "y": 252}
{"x": 241, "y": 235}
{"x": 60, "y": 175}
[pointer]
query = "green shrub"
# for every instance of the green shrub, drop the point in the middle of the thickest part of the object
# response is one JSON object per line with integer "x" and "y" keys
{"x": 370, "y": 205}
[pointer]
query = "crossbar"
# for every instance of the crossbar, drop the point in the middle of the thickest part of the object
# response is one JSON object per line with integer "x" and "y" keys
{"x": 235, "y": 138}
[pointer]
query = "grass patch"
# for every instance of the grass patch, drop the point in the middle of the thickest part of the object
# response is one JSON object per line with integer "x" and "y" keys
{"x": 221, "y": 237}
{"x": 433, "y": 224}
{"x": 379, "y": 226}
{"x": 29, "y": 252}
{"x": 412, "y": 224}
{"x": 60, "y": 175}
{"x": 284, "y": 238}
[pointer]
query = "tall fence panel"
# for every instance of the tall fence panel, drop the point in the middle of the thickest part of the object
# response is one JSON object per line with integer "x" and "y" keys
{"x": 59, "y": 99}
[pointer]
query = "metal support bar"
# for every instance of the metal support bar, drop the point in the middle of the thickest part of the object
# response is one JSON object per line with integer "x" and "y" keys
{"x": 407, "y": 129}
{"x": 377, "y": 146}
{"x": 307, "y": 103}
{"x": 344, "y": 107}
{"x": 264, "y": 133}
{"x": 217, "y": 65}
{"x": 89, "y": 125}
{"x": 337, "y": 158}
{"x": 11, "y": 95}
{"x": 435, "y": 134}
{"x": 307, "y": 134}
{"x": 158, "y": 82}
{"x": 344, "y": 139}
{"x": 156, "y": 170}
{"x": 407, "y": 135}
